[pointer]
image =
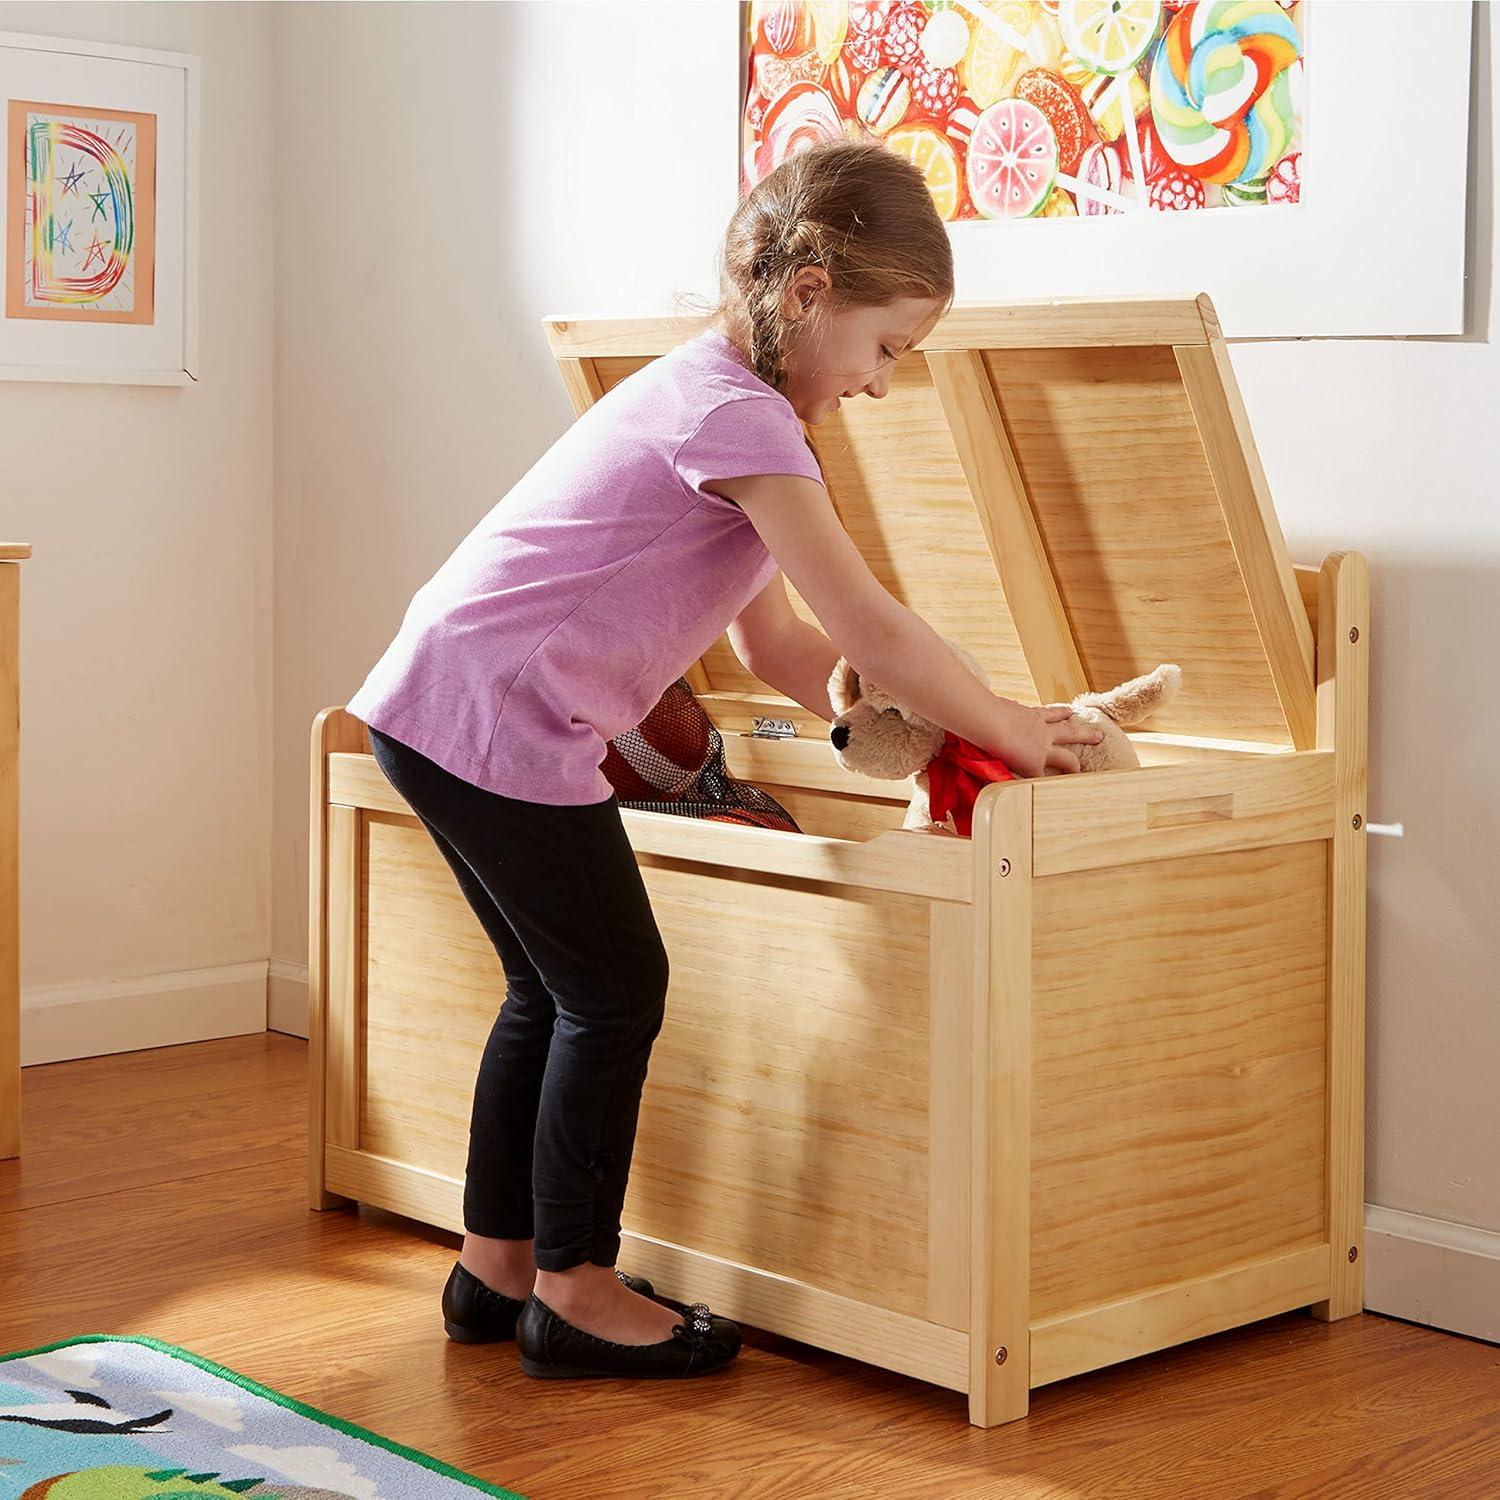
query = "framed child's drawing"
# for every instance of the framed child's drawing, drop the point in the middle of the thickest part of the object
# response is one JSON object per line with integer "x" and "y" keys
{"x": 1264, "y": 151}
{"x": 98, "y": 257}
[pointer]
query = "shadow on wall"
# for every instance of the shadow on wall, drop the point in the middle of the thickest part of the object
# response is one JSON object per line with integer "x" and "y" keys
{"x": 1434, "y": 944}
{"x": 1479, "y": 239}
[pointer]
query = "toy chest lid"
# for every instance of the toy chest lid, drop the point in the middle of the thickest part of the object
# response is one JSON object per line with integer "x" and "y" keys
{"x": 1070, "y": 491}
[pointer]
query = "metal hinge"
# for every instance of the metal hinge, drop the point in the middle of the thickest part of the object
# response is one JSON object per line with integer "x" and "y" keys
{"x": 773, "y": 729}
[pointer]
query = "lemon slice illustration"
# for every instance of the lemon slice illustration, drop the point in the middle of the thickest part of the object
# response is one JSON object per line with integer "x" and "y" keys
{"x": 1110, "y": 36}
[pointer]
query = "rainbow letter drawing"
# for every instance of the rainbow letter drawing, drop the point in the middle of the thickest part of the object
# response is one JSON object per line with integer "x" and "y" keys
{"x": 81, "y": 210}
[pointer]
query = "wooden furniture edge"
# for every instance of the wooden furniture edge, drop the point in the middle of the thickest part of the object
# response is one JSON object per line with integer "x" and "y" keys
{"x": 1126, "y": 817}
{"x": 779, "y": 1304}
{"x": 900, "y": 861}
{"x": 1083, "y": 1339}
{"x": 1343, "y": 727}
{"x": 1250, "y": 518}
{"x": 1067, "y": 322}
{"x": 1161, "y": 1318}
{"x": 333, "y": 730}
{"x": 1000, "y": 1109}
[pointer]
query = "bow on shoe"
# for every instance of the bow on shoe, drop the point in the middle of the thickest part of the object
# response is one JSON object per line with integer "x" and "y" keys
{"x": 696, "y": 1321}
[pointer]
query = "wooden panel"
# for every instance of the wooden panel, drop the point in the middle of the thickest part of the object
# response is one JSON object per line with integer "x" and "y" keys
{"x": 1001, "y": 1244}
{"x": 898, "y": 486}
{"x": 924, "y": 542}
{"x": 10, "y": 869}
{"x": 1121, "y": 817}
{"x": 900, "y": 489}
{"x": 1058, "y": 323}
{"x": 785, "y": 1119}
{"x": 828, "y": 815}
{"x": 779, "y": 1304}
{"x": 430, "y": 972}
{"x": 611, "y": 371}
{"x": 1178, "y": 1054}
{"x": 1111, "y": 457}
{"x": 898, "y": 861}
{"x": 788, "y": 1004}
{"x": 1343, "y": 727}
{"x": 582, "y": 381}
{"x": 1149, "y": 535}
{"x": 804, "y": 762}
{"x": 1166, "y": 1316}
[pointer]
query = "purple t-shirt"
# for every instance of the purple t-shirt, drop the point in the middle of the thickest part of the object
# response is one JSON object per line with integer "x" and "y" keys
{"x": 593, "y": 585}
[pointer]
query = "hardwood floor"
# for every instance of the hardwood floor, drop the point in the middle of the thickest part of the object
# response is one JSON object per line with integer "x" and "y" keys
{"x": 164, "y": 1193}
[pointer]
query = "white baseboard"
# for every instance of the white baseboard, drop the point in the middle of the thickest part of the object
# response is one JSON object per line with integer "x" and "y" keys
{"x": 97, "y": 1018}
{"x": 1432, "y": 1271}
{"x": 286, "y": 998}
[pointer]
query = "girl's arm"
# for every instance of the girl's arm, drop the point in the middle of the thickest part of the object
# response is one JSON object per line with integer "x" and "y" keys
{"x": 783, "y": 650}
{"x": 883, "y": 638}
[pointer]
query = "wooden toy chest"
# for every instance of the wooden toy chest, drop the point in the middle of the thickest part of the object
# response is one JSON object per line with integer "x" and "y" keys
{"x": 994, "y": 1112}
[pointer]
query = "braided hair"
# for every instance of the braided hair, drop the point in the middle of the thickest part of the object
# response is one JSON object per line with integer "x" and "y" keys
{"x": 855, "y": 209}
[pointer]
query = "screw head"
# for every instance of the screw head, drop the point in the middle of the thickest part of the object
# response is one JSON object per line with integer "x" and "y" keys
{"x": 1353, "y": 633}
{"x": 1001, "y": 1355}
{"x": 1353, "y": 1254}
{"x": 1004, "y": 867}
{"x": 1359, "y": 822}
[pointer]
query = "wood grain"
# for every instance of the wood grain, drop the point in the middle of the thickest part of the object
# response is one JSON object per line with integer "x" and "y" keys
{"x": 1343, "y": 726}
{"x": 163, "y": 1193}
{"x": 1098, "y": 458}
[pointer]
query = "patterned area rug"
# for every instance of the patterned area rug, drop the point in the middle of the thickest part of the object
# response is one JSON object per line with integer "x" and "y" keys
{"x": 132, "y": 1418}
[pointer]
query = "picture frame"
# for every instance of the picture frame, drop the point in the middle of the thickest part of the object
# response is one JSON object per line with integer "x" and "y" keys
{"x": 1375, "y": 248}
{"x": 99, "y": 196}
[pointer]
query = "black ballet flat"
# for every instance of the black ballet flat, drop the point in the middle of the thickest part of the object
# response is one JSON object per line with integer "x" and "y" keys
{"x": 553, "y": 1349}
{"x": 474, "y": 1313}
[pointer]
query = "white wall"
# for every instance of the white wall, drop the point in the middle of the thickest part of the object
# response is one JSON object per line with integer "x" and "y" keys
{"x": 146, "y": 620}
{"x": 409, "y": 401}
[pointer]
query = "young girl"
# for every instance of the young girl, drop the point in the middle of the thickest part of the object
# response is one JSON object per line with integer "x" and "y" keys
{"x": 666, "y": 515}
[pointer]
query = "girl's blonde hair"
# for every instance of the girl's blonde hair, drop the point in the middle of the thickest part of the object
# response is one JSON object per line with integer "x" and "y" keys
{"x": 853, "y": 207}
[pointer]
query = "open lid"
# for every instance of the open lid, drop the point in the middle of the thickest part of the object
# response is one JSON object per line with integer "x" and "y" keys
{"x": 1067, "y": 489}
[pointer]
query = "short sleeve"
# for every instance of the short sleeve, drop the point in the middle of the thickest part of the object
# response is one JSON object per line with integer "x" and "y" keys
{"x": 747, "y": 435}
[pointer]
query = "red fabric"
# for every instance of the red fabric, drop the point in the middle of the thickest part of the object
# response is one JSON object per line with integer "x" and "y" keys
{"x": 955, "y": 779}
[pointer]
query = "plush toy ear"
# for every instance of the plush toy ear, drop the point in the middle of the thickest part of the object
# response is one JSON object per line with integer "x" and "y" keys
{"x": 843, "y": 687}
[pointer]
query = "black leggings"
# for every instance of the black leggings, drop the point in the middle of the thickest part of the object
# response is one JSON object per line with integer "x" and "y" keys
{"x": 559, "y": 893}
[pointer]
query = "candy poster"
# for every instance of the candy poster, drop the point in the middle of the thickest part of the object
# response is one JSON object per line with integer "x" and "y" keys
{"x": 1017, "y": 109}
{"x": 80, "y": 214}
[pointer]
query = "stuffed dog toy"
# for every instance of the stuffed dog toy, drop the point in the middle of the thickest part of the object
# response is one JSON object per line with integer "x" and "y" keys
{"x": 876, "y": 736}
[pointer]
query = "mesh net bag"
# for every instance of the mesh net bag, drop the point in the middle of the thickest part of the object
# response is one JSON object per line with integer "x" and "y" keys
{"x": 673, "y": 762}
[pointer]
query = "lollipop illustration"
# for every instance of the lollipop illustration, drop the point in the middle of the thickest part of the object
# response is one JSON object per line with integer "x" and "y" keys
{"x": 1221, "y": 98}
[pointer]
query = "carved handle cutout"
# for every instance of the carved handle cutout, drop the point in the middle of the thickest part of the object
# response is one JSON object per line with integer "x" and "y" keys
{"x": 1190, "y": 810}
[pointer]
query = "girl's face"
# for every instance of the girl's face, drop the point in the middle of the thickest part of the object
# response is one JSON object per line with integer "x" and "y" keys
{"x": 850, "y": 351}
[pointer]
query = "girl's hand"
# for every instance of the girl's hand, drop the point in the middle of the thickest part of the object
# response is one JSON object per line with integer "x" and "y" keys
{"x": 1043, "y": 735}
